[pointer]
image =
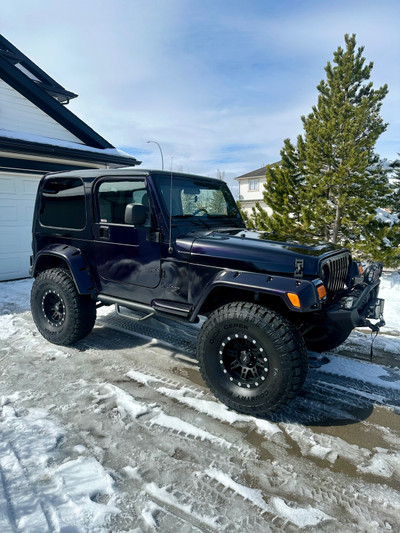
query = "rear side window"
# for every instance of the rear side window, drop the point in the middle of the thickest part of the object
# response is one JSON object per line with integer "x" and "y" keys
{"x": 63, "y": 203}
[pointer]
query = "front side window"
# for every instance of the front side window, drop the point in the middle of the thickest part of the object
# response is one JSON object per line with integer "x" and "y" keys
{"x": 114, "y": 196}
{"x": 63, "y": 203}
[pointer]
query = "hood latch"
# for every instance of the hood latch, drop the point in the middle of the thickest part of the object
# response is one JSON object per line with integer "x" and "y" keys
{"x": 299, "y": 268}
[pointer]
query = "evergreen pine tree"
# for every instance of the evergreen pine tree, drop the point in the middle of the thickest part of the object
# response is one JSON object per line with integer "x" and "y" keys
{"x": 283, "y": 192}
{"x": 330, "y": 185}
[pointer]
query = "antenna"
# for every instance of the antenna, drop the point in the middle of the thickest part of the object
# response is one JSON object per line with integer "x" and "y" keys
{"x": 170, "y": 249}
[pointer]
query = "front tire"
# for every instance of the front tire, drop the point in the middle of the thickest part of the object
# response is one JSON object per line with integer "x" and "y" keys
{"x": 252, "y": 359}
{"x": 61, "y": 314}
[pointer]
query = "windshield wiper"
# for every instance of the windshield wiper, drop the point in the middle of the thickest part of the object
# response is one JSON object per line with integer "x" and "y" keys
{"x": 226, "y": 219}
{"x": 193, "y": 220}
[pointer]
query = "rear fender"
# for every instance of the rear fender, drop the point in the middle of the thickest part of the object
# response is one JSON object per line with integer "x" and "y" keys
{"x": 56, "y": 254}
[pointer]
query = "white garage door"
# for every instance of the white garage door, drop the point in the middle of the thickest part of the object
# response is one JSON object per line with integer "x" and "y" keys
{"x": 17, "y": 199}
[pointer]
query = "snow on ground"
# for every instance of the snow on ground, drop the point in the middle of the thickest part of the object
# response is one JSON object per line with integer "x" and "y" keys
{"x": 390, "y": 291}
{"x": 119, "y": 434}
{"x": 35, "y": 493}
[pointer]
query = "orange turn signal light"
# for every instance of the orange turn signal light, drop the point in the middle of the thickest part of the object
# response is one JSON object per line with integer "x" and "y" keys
{"x": 294, "y": 299}
{"x": 321, "y": 291}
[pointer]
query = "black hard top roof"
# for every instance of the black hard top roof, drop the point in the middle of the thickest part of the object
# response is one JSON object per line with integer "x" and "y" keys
{"x": 91, "y": 175}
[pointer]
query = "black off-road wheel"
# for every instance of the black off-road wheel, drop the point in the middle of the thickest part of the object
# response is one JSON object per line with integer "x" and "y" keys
{"x": 61, "y": 314}
{"x": 324, "y": 338}
{"x": 253, "y": 359}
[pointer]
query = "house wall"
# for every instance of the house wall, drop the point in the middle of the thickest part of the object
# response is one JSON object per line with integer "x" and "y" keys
{"x": 248, "y": 198}
{"x": 247, "y": 206}
{"x": 17, "y": 198}
{"x": 18, "y": 114}
{"x": 247, "y": 194}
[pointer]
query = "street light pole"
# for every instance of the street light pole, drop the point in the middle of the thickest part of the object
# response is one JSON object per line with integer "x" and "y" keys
{"x": 162, "y": 157}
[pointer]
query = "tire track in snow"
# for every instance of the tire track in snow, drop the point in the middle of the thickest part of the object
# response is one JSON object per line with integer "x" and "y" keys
{"x": 348, "y": 387}
{"x": 183, "y": 510}
{"x": 7, "y": 514}
{"x": 21, "y": 494}
{"x": 317, "y": 444}
{"x": 150, "y": 416}
{"x": 316, "y": 400}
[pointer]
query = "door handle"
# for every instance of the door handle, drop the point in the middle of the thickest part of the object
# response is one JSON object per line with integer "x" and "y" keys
{"x": 104, "y": 233}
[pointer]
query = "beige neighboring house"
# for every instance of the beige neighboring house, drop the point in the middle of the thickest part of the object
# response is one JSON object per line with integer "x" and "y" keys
{"x": 251, "y": 188}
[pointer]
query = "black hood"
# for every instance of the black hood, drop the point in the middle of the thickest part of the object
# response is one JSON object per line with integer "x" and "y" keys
{"x": 252, "y": 251}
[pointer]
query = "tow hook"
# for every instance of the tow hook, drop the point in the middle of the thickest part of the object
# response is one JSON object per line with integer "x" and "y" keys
{"x": 375, "y": 329}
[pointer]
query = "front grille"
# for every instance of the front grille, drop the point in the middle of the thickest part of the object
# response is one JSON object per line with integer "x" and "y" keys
{"x": 335, "y": 272}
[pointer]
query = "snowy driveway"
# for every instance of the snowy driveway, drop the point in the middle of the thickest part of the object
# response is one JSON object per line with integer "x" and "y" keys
{"x": 119, "y": 434}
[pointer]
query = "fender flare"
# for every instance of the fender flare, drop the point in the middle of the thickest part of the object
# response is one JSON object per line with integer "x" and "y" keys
{"x": 75, "y": 261}
{"x": 266, "y": 284}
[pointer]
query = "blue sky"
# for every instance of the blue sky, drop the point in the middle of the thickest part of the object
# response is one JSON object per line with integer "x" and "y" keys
{"x": 218, "y": 83}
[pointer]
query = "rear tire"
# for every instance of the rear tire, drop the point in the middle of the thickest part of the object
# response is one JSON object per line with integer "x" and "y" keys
{"x": 61, "y": 314}
{"x": 252, "y": 359}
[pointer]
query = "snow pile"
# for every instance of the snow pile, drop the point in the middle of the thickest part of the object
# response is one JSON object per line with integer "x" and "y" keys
{"x": 301, "y": 517}
{"x": 181, "y": 427}
{"x": 142, "y": 378}
{"x": 385, "y": 217}
{"x": 124, "y": 402}
{"x": 218, "y": 410}
{"x": 325, "y": 447}
{"x": 384, "y": 463}
{"x": 253, "y": 495}
{"x": 390, "y": 291}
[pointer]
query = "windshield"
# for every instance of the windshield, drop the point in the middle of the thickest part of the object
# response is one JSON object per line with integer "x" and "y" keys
{"x": 196, "y": 197}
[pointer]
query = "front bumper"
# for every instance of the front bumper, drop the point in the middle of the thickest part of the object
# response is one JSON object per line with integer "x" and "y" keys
{"x": 357, "y": 306}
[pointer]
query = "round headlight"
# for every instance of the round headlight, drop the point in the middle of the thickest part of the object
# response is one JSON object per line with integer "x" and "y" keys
{"x": 371, "y": 273}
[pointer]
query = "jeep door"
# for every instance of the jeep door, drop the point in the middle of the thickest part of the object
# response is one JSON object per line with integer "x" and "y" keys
{"x": 126, "y": 255}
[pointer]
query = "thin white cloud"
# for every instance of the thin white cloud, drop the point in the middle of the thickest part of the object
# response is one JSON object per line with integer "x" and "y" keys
{"x": 218, "y": 84}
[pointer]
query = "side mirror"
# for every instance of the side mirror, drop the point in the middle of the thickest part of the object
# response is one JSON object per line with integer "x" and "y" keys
{"x": 135, "y": 214}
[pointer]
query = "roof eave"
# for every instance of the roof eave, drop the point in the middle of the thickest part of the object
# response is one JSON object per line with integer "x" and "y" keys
{"x": 17, "y": 146}
{"x": 47, "y": 83}
{"x": 28, "y": 88}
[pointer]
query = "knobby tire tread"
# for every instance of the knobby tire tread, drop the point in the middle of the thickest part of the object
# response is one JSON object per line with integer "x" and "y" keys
{"x": 289, "y": 340}
{"x": 83, "y": 308}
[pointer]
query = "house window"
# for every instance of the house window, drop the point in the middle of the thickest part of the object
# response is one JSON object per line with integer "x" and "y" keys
{"x": 253, "y": 185}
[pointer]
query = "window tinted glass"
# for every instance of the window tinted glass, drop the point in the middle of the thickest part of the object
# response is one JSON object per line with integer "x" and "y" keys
{"x": 114, "y": 196}
{"x": 63, "y": 203}
{"x": 197, "y": 197}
